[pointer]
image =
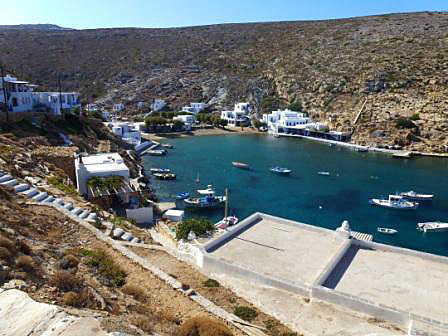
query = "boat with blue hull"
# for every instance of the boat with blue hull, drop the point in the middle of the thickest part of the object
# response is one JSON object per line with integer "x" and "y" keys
{"x": 281, "y": 170}
{"x": 208, "y": 199}
{"x": 394, "y": 202}
{"x": 416, "y": 197}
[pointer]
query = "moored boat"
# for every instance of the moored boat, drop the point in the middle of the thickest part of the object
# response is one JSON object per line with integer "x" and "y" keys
{"x": 241, "y": 165}
{"x": 156, "y": 152}
{"x": 386, "y": 230}
{"x": 432, "y": 227}
{"x": 226, "y": 222}
{"x": 205, "y": 202}
{"x": 413, "y": 196}
{"x": 361, "y": 149}
{"x": 280, "y": 170}
{"x": 160, "y": 170}
{"x": 165, "y": 176}
{"x": 182, "y": 195}
{"x": 324, "y": 173}
{"x": 394, "y": 202}
{"x": 208, "y": 191}
{"x": 167, "y": 145}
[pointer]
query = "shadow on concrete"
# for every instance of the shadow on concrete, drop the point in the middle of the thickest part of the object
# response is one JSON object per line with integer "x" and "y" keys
{"x": 342, "y": 266}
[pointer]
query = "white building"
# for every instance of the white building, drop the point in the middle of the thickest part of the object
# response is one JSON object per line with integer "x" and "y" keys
{"x": 92, "y": 107}
{"x": 21, "y": 97}
{"x": 286, "y": 119}
{"x": 101, "y": 165}
{"x": 128, "y": 131}
{"x": 187, "y": 119}
{"x": 239, "y": 116}
{"x": 118, "y": 107}
{"x": 157, "y": 105}
{"x": 194, "y": 108}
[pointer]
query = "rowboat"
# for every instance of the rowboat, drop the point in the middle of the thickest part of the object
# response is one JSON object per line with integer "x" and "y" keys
{"x": 165, "y": 176}
{"x": 167, "y": 145}
{"x": 394, "y": 202}
{"x": 386, "y": 230}
{"x": 160, "y": 170}
{"x": 240, "y": 165}
{"x": 156, "y": 152}
{"x": 280, "y": 170}
{"x": 324, "y": 173}
{"x": 413, "y": 196}
{"x": 432, "y": 227}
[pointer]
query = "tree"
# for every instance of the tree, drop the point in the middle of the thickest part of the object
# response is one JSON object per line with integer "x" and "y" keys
{"x": 200, "y": 226}
{"x": 215, "y": 120}
{"x": 257, "y": 123}
{"x": 296, "y": 105}
{"x": 178, "y": 124}
{"x": 152, "y": 122}
{"x": 203, "y": 117}
{"x": 223, "y": 123}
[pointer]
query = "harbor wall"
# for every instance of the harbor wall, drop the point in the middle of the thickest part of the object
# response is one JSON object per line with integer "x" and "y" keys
{"x": 330, "y": 267}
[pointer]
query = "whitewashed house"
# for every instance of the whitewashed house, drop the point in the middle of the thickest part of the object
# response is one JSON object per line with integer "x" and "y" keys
{"x": 118, "y": 107}
{"x": 129, "y": 132}
{"x": 194, "y": 108}
{"x": 239, "y": 116}
{"x": 92, "y": 107}
{"x": 187, "y": 119}
{"x": 21, "y": 97}
{"x": 158, "y": 105}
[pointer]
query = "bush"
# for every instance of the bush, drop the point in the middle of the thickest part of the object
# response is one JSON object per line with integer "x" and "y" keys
{"x": 7, "y": 244}
{"x": 58, "y": 182}
{"x": 137, "y": 293}
{"x": 245, "y": 313}
{"x": 203, "y": 326}
{"x": 144, "y": 323}
{"x": 295, "y": 106}
{"x": 404, "y": 123}
{"x": 5, "y": 254}
{"x": 211, "y": 283}
{"x": 66, "y": 281}
{"x": 26, "y": 263}
{"x": 23, "y": 247}
{"x": 199, "y": 226}
{"x": 72, "y": 299}
{"x": 415, "y": 117}
{"x": 110, "y": 274}
{"x": 69, "y": 261}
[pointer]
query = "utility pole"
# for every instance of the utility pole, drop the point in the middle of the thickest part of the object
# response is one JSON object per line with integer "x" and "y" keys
{"x": 4, "y": 93}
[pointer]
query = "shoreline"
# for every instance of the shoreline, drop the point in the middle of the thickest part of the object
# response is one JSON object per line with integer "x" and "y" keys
{"x": 249, "y": 130}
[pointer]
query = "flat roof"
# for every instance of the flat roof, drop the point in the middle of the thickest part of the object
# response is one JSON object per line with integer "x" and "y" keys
{"x": 282, "y": 250}
{"x": 402, "y": 281}
{"x": 106, "y": 162}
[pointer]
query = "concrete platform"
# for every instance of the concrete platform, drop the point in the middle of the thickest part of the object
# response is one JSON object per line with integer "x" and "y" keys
{"x": 277, "y": 249}
{"x": 401, "y": 281}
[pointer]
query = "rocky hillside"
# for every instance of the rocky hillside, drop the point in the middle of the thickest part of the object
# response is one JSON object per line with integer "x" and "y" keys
{"x": 395, "y": 65}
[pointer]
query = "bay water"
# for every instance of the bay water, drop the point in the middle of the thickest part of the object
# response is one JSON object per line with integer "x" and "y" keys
{"x": 306, "y": 196}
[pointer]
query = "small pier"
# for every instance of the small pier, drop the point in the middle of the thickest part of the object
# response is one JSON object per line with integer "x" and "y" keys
{"x": 362, "y": 236}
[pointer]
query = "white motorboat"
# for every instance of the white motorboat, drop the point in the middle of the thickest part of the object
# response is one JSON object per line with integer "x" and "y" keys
{"x": 156, "y": 152}
{"x": 205, "y": 202}
{"x": 241, "y": 165}
{"x": 209, "y": 191}
{"x": 432, "y": 227}
{"x": 394, "y": 202}
{"x": 160, "y": 170}
{"x": 386, "y": 230}
{"x": 281, "y": 170}
{"x": 226, "y": 222}
{"x": 323, "y": 173}
{"x": 413, "y": 196}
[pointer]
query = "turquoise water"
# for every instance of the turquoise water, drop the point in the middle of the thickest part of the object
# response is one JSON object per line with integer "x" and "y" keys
{"x": 306, "y": 196}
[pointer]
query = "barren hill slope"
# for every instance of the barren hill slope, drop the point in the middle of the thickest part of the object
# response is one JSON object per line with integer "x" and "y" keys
{"x": 398, "y": 62}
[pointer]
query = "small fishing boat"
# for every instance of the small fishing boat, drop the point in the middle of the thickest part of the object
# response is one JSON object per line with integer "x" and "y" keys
{"x": 160, "y": 170}
{"x": 167, "y": 145}
{"x": 240, "y": 165}
{"x": 361, "y": 149}
{"x": 413, "y": 196}
{"x": 280, "y": 170}
{"x": 386, "y": 230}
{"x": 324, "y": 173}
{"x": 227, "y": 221}
{"x": 208, "y": 199}
{"x": 432, "y": 227}
{"x": 165, "y": 176}
{"x": 156, "y": 152}
{"x": 394, "y": 202}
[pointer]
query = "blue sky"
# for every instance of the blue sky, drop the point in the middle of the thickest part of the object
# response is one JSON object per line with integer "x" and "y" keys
{"x": 83, "y": 14}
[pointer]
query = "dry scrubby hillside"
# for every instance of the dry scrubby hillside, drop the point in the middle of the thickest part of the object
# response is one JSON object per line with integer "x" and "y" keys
{"x": 398, "y": 62}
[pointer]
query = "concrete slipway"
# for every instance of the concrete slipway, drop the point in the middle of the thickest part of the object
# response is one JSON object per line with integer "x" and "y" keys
{"x": 402, "y": 286}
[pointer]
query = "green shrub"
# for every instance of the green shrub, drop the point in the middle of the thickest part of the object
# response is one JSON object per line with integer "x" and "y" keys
{"x": 58, "y": 182}
{"x": 415, "y": 117}
{"x": 109, "y": 273}
{"x": 245, "y": 313}
{"x": 211, "y": 283}
{"x": 404, "y": 123}
{"x": 199, "y": 226}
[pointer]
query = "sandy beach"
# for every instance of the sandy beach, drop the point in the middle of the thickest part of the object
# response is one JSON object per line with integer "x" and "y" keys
{"x": 201, "y": 132}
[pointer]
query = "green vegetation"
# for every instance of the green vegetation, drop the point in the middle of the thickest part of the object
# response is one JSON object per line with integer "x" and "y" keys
{"x": 257, "y": 123}
{"x": 404, "y": 123}
{"x": 109, "y": 273}
{"x": 296, "y": 105}
{"x": 245, "y": 313}
{"x": 415, "y": 117}
{"x": 199, "y": 226}
{"x": 110, "y": 182}
{"x": 269, "y": 103}
{"x": 178, "y": 124}
{"x": 123, "y": 222}
{"x": 58, "y": 182}
{"x": 5, "y": 149}
{"x": 204, "y": 118}
{"x": 211, "y": 283}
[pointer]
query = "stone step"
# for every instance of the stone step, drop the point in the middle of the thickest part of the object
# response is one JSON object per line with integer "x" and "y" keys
{"x": 30, "y": 192}
{"x": 117, "y": 233}
{"x": 68, "y": 206}
{"x": 40, "y": 196}
{"x": 84, "y": 214}
{"x": 127, "y": 236}
{"x": 135, "y": 240}
{"x": 5, "y": 178}
{"x": 76, "y": 211}
{"x": 21, "y": 187}
{"x": 48, "y": 199}
{"x": 92, "y": 216}
{"x": 10, "y": 183}
{"x": 1, "y": 173}
{"x": 58, "y": 201}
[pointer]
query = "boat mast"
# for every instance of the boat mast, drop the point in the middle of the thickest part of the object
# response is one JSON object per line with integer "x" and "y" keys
{"x": 227, "y": 203}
